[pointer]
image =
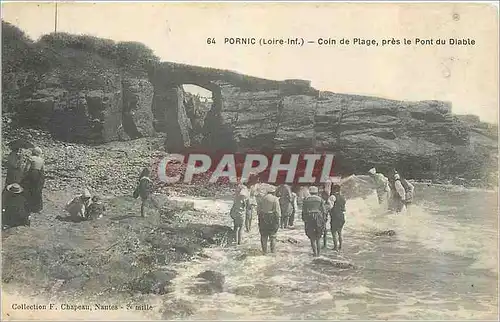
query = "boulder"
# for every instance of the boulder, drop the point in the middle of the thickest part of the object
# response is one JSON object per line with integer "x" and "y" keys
{"x": 333, "y": 263}
{"x": 211, "y": 282}
{"x": 386, "y": 233}
{"x": 156, "y": 282}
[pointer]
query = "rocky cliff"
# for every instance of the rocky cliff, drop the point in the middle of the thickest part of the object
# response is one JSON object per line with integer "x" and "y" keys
{"x": 92, "y": 90}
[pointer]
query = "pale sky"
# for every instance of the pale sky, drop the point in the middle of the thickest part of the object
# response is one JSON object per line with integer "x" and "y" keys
{"x": 467, "y": 76}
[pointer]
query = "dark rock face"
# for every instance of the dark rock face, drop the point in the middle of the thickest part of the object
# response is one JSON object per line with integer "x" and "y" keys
{"x": 90, "y": 97}
{"x": 75, "y": 114}
{"x": 137, "y": 107}
{"x": 171, "y": 117}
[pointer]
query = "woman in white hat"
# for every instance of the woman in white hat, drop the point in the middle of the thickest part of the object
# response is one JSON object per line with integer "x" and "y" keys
{"x": 381, "y": 185}
{"x": 15, "y": 211}
{"x": 398, "y": 195}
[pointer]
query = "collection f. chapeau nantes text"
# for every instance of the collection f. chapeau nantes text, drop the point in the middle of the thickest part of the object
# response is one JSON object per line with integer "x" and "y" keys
{"x": 368, "y": 42}
{"x": 80, "y": 307}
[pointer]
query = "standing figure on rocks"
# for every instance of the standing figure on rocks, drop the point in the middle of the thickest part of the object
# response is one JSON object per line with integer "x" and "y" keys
{"x": 15, "y": 208}
{"x": 398, "y": 195}
{"x": 16, "y": 164}
{"x": 295, "y": 208}
{"x": 313, "y": 215}
{"x": 284, "y": 193}
{"x": 144, "y": 190}
{"x": 337, "y": 215}
{"x": 381, "y": 185}
{"x": 269, "y": 212}
{"x": 77, "y": 207}
{"x": 34, "y": 180}
{"x": 239, "y": 210}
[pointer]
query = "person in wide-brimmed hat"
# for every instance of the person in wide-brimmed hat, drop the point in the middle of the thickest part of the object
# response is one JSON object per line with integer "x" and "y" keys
{"x": 15, "y": 211}
{"x": 239, "y": 210}
{"x": 77, "y": 206}
{"x": 269, "y": 213}
{"x": 313, "y": 215}
{"x": 381, "y": 185}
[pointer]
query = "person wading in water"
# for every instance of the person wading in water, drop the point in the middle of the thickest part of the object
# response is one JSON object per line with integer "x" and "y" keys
{"x": 337, "y": 215}
{"x": 285, "y": 195}
{"x": 269, "y": 212}
{"x": 313, "y": 215}
{"x": 252, "y": 185}
{"x": 239, "y": 210}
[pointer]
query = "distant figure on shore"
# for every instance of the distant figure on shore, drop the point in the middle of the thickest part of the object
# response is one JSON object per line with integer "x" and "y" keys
{"x": 15, "y": 208}
{"x": 252, "y": 204}
{"x": 239, "y": 210}
{"x": 302, "y": 194}
{"x": 77, "y": 207}
{"x": 295, "y": 208}
{"x": 398, "y": 195}
{"x": 144, "y": 190}
{"x": 381, "y": 185}
{"x": 96, "y": 209}
{"x": 16, "y": 164}
{"x": 34, "y": 180}
{"x": 269, "y": 212}
{"x": 337, "y": 215}
{"x": 284, "y": 193}
{"x": 313, "y": 215}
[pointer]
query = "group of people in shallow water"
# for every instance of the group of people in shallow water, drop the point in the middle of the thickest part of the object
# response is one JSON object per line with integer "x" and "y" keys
{"x": 277, "y": 207}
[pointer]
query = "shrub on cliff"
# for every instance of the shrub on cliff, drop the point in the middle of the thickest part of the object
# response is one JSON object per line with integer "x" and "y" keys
{"x": 132, "y": 57}
{"x": 22, "y": 62}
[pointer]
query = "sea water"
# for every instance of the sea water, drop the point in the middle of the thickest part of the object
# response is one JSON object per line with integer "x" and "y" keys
{"x": 442, "y": 263}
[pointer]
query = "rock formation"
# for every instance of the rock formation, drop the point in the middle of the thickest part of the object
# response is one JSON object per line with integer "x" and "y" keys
{"x": 89, "y": 95}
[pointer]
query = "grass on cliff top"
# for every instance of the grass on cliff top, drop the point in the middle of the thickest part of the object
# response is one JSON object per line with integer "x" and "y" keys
{"x": 19, "y": 52}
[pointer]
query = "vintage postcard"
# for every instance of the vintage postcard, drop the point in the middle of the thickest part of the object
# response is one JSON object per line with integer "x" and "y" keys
{"x": 249, "y": 161}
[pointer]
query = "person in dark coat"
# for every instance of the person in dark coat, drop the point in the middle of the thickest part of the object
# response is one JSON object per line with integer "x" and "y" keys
{"x": 15, "y": 209}
{"x": 337, "y": 216}
{"x": 284, "y": 193}
{"x": 268, "y": 212}
{"x": 34, "y": 180}
{"x": 16, "y": 164}
{"x": 313, "y": 215}
{"x": 144, "y": 190}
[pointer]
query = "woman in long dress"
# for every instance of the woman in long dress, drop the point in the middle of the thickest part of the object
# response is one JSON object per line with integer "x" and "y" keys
{"x": 16, "y": 164}
{"x": 34, "y": 180}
